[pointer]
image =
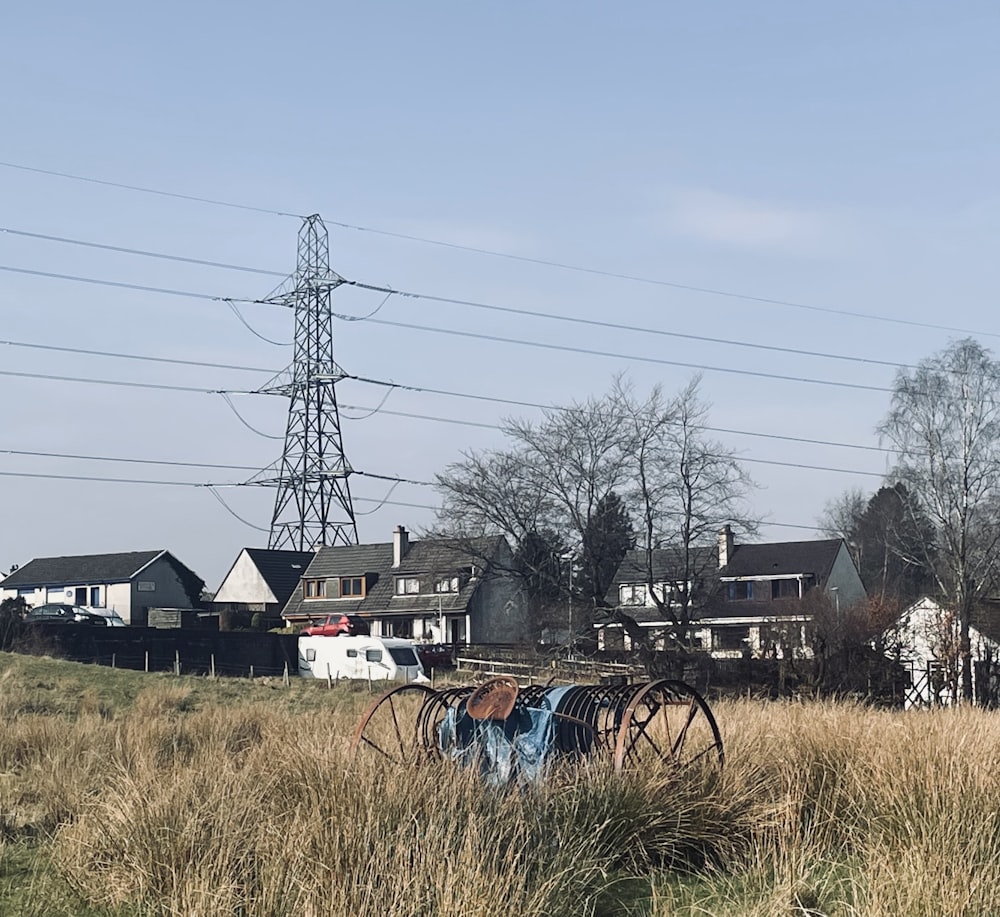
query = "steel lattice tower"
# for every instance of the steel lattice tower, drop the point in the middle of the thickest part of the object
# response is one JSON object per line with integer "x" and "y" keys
{"x": 313, "y": 505}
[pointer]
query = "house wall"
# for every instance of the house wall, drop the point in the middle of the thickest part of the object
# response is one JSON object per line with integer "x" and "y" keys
{"x": 157, "y": 585}
{"x": 244, "y": 585}
{"x": 120, "y": 600}
{"x": 844, "y": 575}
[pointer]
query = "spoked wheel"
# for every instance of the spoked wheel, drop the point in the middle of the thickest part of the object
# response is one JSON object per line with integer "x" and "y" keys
{"x": 390, "y": 727}
{"x": 668, "y": 722}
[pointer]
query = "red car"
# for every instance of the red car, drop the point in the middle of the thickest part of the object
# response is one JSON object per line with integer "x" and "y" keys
{"x": 334, "y": 625}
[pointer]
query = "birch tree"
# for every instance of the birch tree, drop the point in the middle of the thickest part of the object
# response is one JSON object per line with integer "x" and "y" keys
{"x": 944, "y": 422}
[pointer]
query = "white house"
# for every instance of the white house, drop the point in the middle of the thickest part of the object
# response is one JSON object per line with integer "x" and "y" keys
{"x": 261, "y": 580}
{"x": 928, "y": 636}
{"x": 129, "y": 584}
{"x": 742, "y": 597}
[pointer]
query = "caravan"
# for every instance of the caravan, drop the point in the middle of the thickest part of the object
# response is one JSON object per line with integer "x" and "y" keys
{"x": 369, "y": 658}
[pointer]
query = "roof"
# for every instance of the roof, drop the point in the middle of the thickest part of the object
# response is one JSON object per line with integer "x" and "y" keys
{"x": 83, "y": 568}
{"x": 666, "y": 565}
{"x": 281, "y": 570}
{"x": 428, "y": 557}
{"x": 784, "y": 558}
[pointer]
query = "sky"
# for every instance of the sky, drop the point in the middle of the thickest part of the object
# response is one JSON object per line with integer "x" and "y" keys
{"x": 794, "y": 199}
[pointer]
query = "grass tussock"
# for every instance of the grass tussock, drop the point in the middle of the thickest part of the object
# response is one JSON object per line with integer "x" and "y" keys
{"x": 158, "y": 797}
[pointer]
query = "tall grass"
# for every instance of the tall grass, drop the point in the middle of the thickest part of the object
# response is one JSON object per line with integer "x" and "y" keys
{"x": 172, "y": 804}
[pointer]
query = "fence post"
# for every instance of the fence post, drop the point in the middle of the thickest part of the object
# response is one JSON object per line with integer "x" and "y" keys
{"x": 251, "y": 673}
{"x": 177, "y": 662}
{"x": 211, "y": 665}
{"x": 329, "y": 677}
{"x": 284, "y": 677}
{"x": 113, "y": 660}
{"x": 147, "y": 660}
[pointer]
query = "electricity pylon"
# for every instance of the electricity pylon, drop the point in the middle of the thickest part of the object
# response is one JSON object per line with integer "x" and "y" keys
{"x": 312, "y": 507}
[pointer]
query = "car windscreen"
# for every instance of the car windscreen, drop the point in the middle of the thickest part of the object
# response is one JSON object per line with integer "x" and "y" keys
{"x": 403, "y": 655}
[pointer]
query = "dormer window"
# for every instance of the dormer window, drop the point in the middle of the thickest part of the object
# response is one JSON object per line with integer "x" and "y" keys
{"x": 741, "y": 591}
{"x": 446, "y": 584}
{"x": 407, "y": 585}
{"x": 352, "y": 587}
{"x": 314, "y": 588}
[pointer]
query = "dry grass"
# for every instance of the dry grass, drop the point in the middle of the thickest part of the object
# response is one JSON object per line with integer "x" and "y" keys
{"x": 165, "y": 802}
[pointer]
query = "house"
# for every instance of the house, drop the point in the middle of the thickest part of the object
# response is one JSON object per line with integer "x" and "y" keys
{"x": 129, "y": 584}
{"x": 746, "y": 597}
{"x": 926, "y": 638}
{"x": 435, "y": 589}
{"x": 261, "y": 581}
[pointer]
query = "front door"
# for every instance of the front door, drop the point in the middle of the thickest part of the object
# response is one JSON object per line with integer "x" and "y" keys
{"x": 80, "y": 595}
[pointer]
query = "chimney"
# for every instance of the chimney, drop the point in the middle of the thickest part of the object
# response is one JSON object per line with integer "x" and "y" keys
{"x": 725, "y": 545}
{"x": 400, "y": 545}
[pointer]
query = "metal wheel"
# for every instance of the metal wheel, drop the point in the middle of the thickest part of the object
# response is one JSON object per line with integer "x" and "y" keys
{"x": 390, "y": 725}
{"x": 667, "y": 722}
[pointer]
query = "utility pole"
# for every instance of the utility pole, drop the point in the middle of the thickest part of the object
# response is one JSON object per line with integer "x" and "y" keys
{"x": 312, "y": 506}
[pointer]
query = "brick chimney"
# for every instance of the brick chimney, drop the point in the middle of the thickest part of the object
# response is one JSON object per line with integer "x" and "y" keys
{"x": 725, "y": 545}
{"x": 400, "y": 545}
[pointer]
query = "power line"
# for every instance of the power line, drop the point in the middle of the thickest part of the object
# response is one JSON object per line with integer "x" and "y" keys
{"x": 145, "y": 358}
{"x": 122, "y": 383}
{"x": 473, "y": 423}
{"x": 566, "y": 348}
{"x": 121, "y": 459}
{"x": 119, "y": 284}
{"x": 139, "y": 251}
{"x": 174, "y": 194}
{"x": 481, "y": 305}
{"x": 617, "y": 326}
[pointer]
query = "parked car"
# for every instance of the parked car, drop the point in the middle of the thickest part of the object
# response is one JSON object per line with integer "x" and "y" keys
{"x": 111, "y": 617}
{"x": 435, "y": 655}
{"x": 335, "y": 625}
{"x": 70, "y": 614}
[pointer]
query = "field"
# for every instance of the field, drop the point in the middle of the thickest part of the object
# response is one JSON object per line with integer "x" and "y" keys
{"x": 126, "y": 795}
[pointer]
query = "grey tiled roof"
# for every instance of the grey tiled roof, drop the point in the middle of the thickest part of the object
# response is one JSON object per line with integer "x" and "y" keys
{"x": 784, "y": 558}
{"x": 84, "y": 568}
{"x": 281, "y": 570}
{"x": 427, "y": 559}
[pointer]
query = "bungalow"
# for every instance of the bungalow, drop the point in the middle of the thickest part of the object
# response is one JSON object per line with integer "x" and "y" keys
{"x": 129, "y": 583}
{"x": 749, "y": 598}
{"x": 433, "y": 589}
{"x": 926, "y": 639}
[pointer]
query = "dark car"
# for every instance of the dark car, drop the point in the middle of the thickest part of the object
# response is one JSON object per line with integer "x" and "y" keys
{"x": 435, "y": 655}
{"x": 70, "y": 614}
{"x": 334, "y": 625}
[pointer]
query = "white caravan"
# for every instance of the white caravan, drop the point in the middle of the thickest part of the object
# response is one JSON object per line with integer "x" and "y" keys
{"x": 369, "y": 658}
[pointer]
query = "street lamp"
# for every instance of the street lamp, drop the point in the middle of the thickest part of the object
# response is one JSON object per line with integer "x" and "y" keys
{"x": 569, "y": 557}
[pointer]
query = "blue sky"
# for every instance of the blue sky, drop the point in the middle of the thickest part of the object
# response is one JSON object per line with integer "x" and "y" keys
{"x": 840, "y": 157}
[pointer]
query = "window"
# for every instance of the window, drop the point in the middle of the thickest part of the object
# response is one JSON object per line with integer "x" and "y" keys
{"x": 95, "y": 597}
{"x": 352, "y": 654}
{"x": 784, "y": 589}
{"x": 741, "y": 591}
{"x": 403, "y": 655}
{"x": 632, "y": 594}
{"x": 448, "y": 584}
{"x": 373, "y": 655}
{"x": 314, "y": 588}
{"x": 730, "y": 638}
{"x": 352, "y": 586}
{"x": 310, "y": 655}
{"x": 407, "y": 585}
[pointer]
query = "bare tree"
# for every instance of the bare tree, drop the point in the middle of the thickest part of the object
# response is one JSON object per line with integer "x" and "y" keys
{"x": 561, "y": 474}
{"x": 685, "y": 487}
{"x": 944, "y": 422}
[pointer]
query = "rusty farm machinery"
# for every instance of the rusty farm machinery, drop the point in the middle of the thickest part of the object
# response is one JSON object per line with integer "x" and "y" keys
{"x": 513, "y": 733}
